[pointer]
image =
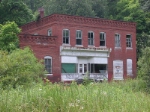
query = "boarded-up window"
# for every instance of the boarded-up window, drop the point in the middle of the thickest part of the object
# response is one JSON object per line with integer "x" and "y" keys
{"x": 118, "y": 69}
{"x": 129, "y": 67}
{"x": 68, "y": 68}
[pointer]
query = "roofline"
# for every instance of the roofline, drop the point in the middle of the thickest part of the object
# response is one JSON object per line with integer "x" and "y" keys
{"x": 80, "y": 17}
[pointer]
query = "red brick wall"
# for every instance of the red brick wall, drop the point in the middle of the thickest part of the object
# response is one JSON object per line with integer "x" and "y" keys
{"x": 59, "y": 22}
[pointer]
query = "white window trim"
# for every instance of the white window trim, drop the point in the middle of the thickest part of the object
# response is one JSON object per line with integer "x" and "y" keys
{"x": 93, "y": 39}
{"x": 131, "y": 66}
{"x": 105, "y": 39}
{"x": 48, "y": 32}
{"x": 35, "y": 33}
{"x": 131, "y": 41}
{"x": 81, "y": 38}
{"x": 48, "y": 57}
{"x": 63, "y": 35}
{"x": 115, "y": 40}
{"x": 118, "y": 78}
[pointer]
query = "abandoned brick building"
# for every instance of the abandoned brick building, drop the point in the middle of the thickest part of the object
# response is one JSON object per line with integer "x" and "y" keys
{"x": 72, "y": 46}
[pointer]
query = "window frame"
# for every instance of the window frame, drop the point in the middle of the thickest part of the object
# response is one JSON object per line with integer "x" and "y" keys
{"x": 117, "y": 41}
{"x": 89, "y": 38}
{"x": 78, "y": 37}
{"x": 129, "y": 67}
{"x": 49, "y": 32}
{"x": 66, "y": 37}
{"x": 129, "y": 41}
{"x": 46, "y": 58}
{"x": 103, "y": 40}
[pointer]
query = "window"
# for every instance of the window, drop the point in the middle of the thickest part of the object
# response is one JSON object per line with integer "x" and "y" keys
{"x": 68, "y": 68}
{"x": 118, "y": 69}
{"x": 102, "y": 39}
{"x": 78, "y": 37}
{"x": 83, "y": 68}
{"x": 48, "y": 63}
{"x": 35, "y": 33}
{"x": 129, "y": 67}
{"x": 66, "y": 36}
{"x": 128, "y": 41}
{"x": 90, "y": 38}
{"x": 49, "y": 32}
{"x": 117, "y": 40}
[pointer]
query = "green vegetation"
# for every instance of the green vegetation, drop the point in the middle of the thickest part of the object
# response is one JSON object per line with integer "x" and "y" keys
{"x": 19, "y": 68}
{"x": 95, "y": 97}
{"x": 144, "y": 67}
{"x": 9, "y": 36}
{"x": 15, "y": 10}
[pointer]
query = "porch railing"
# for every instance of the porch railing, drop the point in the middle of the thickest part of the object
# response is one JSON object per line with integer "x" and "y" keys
{"x": 75, "y": 76}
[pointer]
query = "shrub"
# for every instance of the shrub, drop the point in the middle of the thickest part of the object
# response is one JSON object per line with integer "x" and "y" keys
{"x": 19, "y": 68}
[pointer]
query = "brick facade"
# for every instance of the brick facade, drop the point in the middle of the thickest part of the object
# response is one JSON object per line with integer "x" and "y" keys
{"x": 34, "y": 34}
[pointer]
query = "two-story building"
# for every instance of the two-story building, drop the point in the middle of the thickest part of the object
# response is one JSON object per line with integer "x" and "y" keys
{"x": 73, "y": 46}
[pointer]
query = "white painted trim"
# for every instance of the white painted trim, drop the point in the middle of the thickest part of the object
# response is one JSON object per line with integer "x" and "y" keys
{"x": 48, "y": 32}
{"x": 120, "y": 40}
{"x": 131, "y": 41}
{"x": 63, "y": 35}
{"x": 118, "y": 69}
{"x": 93, "y": 38}
{"x": 81, "y": 38}
{"x": 105, "y": 38}
{"x": 49, "y": 57}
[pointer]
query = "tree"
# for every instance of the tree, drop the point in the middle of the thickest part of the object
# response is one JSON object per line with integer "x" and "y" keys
{"x": 17, "y": 11}
{"x": 111, "y": 9}
{"x": 144, "y": 66}
{"x": 34, "y": 5}
{"x": 130, "y": 10}
{"x": 56, "y": 6}
{"x": 72, "y": 7}
{"x": 80, "y": 8}
{"x": 9, "y": 36}
{"x": 19, "y": 68}
{"x": 100, "y": 8}
{"x": 145, "y": 4}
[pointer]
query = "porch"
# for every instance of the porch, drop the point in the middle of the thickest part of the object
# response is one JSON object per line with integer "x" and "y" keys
{"x": 76, "y": 76}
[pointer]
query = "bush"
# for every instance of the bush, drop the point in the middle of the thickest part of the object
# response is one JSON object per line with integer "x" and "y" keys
{"x": 19, "y": 68}
{"x": 144, "y": 67}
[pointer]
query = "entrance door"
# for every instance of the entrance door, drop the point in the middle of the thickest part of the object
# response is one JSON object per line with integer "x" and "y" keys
{"x": 83, "y": 67}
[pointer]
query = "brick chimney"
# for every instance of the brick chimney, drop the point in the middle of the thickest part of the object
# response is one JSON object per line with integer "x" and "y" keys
{"x": 41, "y": 12}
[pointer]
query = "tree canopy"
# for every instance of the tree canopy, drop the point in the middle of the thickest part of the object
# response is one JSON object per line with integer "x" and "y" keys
{"x": 17, "y": 11}
{"x": 9, "y": 36}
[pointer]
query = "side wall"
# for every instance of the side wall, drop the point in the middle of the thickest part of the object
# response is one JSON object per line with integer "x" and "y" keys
{"x": 44, "y": 46}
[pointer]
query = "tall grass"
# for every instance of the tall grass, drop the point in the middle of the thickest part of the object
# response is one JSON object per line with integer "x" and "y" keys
{"x": 96, "y": 97}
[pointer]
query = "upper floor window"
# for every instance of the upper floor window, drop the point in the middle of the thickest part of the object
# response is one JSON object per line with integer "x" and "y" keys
{"x": 90, "y": 38}
{"x": 49, "y": 32}
{"x": 35, "y": 33}
{"x": 128, "y": 41}
{"x": 48, "y": 64}
{"x": 102, "y": 39}
{"x": 66, "y": 36}
{"x": 78, "y": 37}
{"x": 117, "y": 40}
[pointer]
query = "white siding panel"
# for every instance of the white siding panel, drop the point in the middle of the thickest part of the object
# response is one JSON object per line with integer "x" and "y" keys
{"x": 68, "y": 59}
{"x": 99, "y": 60}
